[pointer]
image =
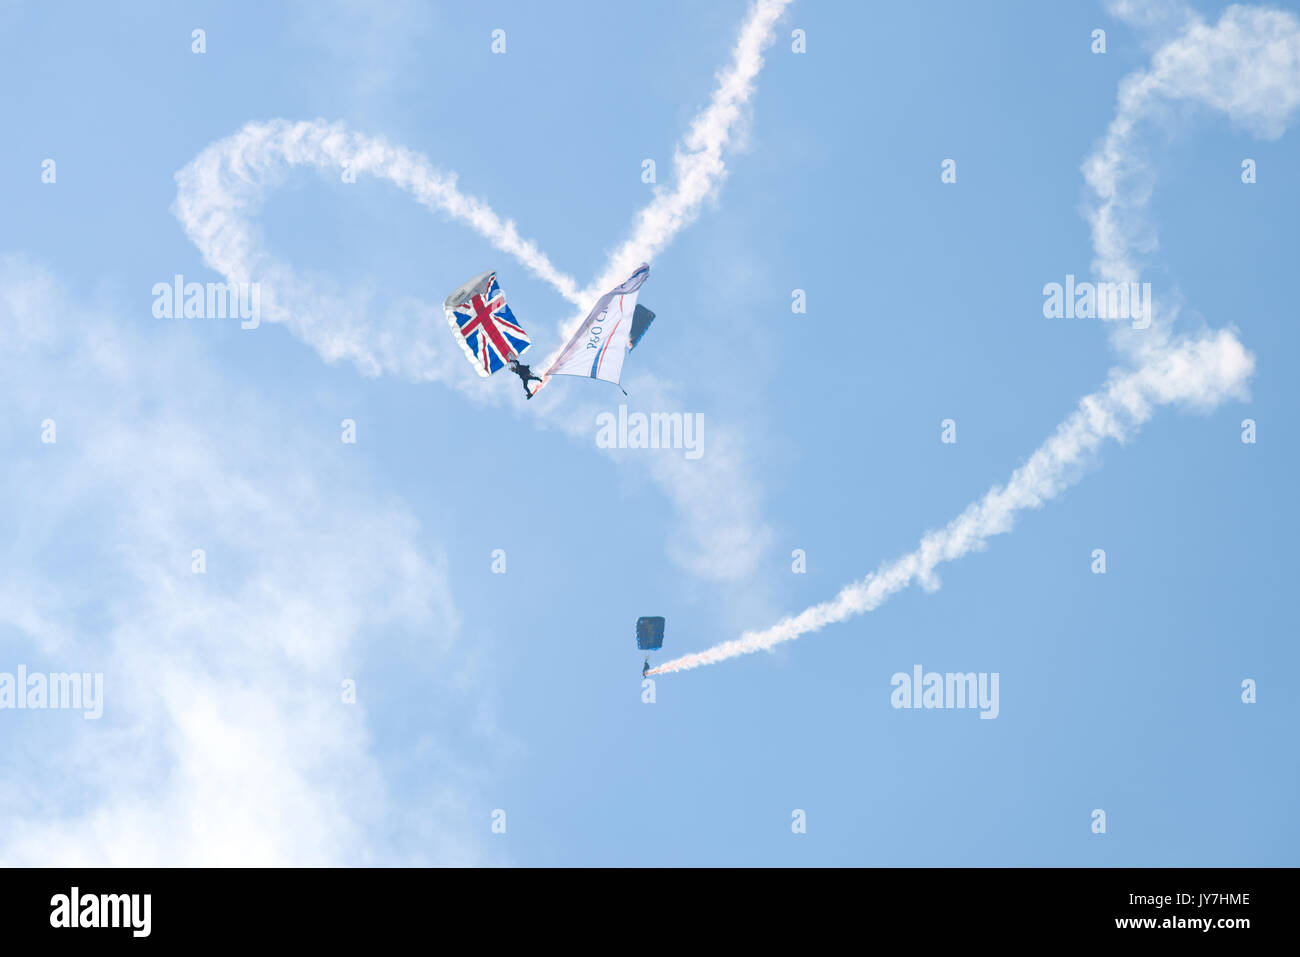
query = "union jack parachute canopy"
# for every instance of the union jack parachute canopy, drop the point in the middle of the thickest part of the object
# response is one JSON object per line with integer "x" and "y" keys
{"x": 483, "y": 324}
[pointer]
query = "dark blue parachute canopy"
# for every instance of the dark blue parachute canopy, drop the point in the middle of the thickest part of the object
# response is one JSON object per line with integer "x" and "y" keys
{"x": 641, "y": 319}
{"x": 650, "y": 633}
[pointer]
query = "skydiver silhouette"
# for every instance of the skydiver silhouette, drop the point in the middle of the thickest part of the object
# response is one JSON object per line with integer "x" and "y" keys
{"x": 525, "y": 374}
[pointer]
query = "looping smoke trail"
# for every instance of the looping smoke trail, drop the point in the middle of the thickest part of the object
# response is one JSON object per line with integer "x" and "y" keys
{"x": 221, "y": 186}
{"x": 222, "y": 189}
{"x": 1247, "y": 66}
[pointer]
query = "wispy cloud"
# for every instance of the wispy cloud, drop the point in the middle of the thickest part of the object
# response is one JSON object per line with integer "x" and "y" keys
{"x": 377, "y": 48}
{"x": 225, "y": 739}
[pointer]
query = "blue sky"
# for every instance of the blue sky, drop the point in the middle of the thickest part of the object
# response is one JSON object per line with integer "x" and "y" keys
{"x": 224, "y": 737}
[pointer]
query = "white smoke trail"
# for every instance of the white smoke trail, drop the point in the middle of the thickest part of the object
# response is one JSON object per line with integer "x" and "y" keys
{"x": 221, "y": 191}
{"x": 1248, "y": 66}
{"x": 1202, "y": 373}
{"x": 231, "y": 168}
{"x": 698, "y": 164}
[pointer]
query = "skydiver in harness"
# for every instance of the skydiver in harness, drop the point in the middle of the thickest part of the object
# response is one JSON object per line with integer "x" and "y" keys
{"x": 524, "y": 373}
{"x": 645, "y": 667}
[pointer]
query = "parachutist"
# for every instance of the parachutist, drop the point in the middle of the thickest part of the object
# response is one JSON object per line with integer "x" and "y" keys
{"x": 524, "y": 373}
{"x": 649, "y": 637}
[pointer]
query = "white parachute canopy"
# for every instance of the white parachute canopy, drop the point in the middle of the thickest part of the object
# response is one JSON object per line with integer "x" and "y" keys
{"x": 597, "y": 349}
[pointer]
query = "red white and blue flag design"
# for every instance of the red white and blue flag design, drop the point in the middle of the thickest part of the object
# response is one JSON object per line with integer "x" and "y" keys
{"x": 484, "y": 325}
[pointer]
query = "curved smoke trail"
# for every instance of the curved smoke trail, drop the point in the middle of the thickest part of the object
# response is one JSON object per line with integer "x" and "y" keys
{"x": 222, "y": 190}
{"x": 1247, "y": 66}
